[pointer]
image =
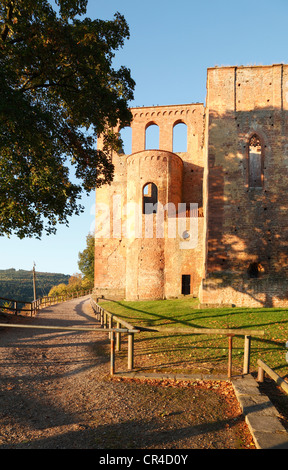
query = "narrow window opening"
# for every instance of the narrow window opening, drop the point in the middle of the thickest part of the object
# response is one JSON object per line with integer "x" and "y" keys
{"x": 150, "y": 198}
{"x": 255, "y": 163}
{"x": 180, "y": 137}
{"x": 152, "y": 137}
{"x": 186, "y": 284}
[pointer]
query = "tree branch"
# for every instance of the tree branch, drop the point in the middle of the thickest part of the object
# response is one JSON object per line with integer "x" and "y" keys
{"x": 48, "y": 85}
{"x": 5, "y": 31}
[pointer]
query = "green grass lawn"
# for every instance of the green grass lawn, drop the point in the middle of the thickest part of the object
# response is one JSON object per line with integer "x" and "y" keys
{"x": 202, "y": 353}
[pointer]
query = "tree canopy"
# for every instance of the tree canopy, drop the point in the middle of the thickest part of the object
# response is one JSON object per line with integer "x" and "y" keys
{"x": 58, "y": 91}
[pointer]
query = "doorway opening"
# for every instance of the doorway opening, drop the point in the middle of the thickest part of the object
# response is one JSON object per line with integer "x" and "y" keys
{"x": 186, "y": 284}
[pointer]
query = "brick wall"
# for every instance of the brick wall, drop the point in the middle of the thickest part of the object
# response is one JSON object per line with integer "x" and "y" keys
{"x": 246, "y": 225}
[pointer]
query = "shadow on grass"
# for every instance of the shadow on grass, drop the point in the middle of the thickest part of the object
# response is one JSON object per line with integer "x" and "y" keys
{"x": 200, "y": 314}
{"x": 167, "y": 344}
{"x": 147, "y": 321}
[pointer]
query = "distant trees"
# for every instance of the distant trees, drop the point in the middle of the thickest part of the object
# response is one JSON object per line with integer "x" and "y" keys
{"x": 75, "y": 284}
{"x": 18, "y": 284}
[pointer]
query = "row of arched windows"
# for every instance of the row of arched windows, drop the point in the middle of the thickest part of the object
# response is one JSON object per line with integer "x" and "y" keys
{"x": 179, "y": 137}
{"x": 152, "y": 138}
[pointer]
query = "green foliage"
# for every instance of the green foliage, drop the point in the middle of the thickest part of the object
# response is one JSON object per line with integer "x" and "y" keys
{"x": 58, "y": 91}
{"x": 61, "y": 289}
{"x": 18, "y": 285}
{"x": 86, "y": 259}
{"x": 75, "y": 284}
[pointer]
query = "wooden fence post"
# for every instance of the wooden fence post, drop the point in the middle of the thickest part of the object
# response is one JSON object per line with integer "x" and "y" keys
{"x": 118, "y": 338}
{"x": 260, "y": 377}
{"x": 130, "y": 351}
{"x": 112, "y": 348}
{"x": 230, "y": 340}
{"x": 264, "y": 368}
{"x": 110, "y": 323}
{"x": 247, "y": 348}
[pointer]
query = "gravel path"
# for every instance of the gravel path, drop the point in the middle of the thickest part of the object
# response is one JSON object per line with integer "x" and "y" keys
{"x": 56, "y": 393}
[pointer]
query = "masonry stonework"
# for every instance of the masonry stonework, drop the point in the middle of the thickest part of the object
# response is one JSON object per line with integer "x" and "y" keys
{"x": 227, "y": 192}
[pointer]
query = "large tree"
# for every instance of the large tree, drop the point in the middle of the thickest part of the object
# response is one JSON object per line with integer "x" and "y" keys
{"x": 58, "y": 91}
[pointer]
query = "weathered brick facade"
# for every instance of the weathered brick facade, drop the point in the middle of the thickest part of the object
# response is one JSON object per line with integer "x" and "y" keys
{"x": 235, "y": 168}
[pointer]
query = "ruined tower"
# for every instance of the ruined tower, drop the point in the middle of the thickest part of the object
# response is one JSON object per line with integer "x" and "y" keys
{"x": 231, "y": 180}
{"x": 156, "y": 262}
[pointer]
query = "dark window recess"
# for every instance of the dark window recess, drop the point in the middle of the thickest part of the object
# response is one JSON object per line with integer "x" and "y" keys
{"x": 150, "y": 198}
{"x": 254, "y": 270}
{"x": 186, "y": 281}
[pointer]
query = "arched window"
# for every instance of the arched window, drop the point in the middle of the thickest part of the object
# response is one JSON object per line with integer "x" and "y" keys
{"x": 152, "y": 137}
{"x": 150, "y": 198}
{"x": 180, "y": 137}
{"x": 255, "y": 162}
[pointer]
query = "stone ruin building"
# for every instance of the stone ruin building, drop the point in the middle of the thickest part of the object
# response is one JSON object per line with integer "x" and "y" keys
{"x": 228, "y": 189}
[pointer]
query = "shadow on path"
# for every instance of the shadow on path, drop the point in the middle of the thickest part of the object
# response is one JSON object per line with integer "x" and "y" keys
{"x": 54, "y": 393}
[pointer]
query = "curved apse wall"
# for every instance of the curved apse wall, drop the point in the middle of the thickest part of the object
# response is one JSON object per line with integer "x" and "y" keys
{"x": 145, "y": 254}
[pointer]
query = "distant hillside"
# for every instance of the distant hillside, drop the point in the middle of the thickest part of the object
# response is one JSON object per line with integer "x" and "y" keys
{"x": 18, "y": 285}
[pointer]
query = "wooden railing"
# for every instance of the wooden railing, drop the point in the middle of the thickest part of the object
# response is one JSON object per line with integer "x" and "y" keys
{"x": 230, "y": 333}
{"x": 263, "y": 367}
{"x": 56, "y": 299}
{"x": 18, "y": 306}
{"x": 107, "y": 319}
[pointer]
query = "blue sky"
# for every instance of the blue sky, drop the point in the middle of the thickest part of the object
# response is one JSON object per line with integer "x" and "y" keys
{"x": 171, "y": 45}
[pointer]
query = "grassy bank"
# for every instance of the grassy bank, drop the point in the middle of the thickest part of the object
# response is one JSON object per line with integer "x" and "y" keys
{"x": 202, "y": 353}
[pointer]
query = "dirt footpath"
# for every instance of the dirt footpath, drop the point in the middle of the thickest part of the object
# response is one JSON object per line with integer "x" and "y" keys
{"x": 56, "y": 393}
